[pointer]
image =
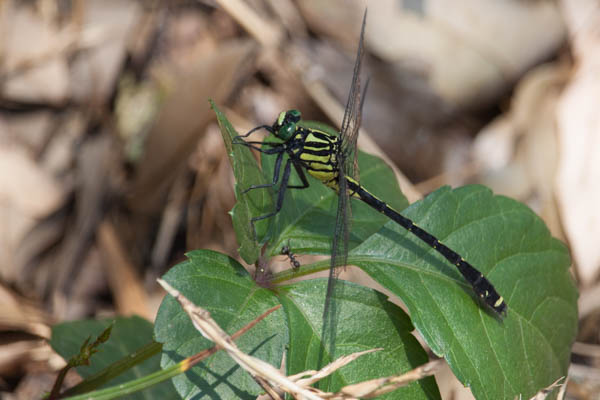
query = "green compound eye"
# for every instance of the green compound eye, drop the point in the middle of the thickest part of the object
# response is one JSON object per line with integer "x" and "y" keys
{"x": 287, "y": 131}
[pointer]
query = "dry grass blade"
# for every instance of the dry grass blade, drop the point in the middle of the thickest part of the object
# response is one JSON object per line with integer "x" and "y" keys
{"x": 542, "y": 394}
{"x": 330, "y": 368}
{"x": 381, "y": 386}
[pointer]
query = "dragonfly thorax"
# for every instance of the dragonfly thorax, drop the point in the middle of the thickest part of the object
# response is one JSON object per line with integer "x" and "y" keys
{"x": 285, "y": 126}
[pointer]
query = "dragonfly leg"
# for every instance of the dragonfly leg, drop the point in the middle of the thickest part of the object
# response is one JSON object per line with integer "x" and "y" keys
{"x": 277, "y": 169}
{"x": 259, "y": 146}
{"x": 266, "y": 127}
{"x": 280, "y": 196}
{"x": 302, "y": 177}
{"x": 275, "y": 176}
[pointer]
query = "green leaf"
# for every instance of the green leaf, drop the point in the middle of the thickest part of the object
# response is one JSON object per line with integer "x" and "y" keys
{"x": 512, "y": 247}
{"x": 219, "y": 284}
{"x": 366, "y": 320}
{"x": 250, "y": 204}
{"x": 127, "y": 336}
{"x": 222, "y": 286}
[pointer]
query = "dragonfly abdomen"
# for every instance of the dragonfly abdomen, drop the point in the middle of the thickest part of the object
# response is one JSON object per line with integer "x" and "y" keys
{"x": 481, "y": 286}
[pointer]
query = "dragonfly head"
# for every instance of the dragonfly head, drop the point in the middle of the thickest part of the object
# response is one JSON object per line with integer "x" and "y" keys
{"x": 285, "y": 126}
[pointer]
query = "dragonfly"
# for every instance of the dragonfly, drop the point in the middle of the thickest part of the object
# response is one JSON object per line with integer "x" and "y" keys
{"x": 330, "y": 157}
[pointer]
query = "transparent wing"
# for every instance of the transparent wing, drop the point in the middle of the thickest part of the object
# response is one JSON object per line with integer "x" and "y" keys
{"x": 353, "y": 113}
{"x": 339, "y": 256}
{"x": 346, "y": 160}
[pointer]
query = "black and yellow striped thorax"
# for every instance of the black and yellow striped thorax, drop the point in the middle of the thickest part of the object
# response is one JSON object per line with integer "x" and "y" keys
{"x": 317, "y": 151}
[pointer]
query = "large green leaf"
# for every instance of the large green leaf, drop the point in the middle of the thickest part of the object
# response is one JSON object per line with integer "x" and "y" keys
{"x": 498, "y": 359}
{"x": 127, "y": 336}
{"x": 219, "y": 284}
{"x": 366, "y": 320}
{"x": 222, "y": 286}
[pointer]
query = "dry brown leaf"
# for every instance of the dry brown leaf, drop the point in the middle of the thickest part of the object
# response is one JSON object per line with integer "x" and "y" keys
{"x": 95, "y": 71}
{"x": 172, "y": 138}
{"x": 27, "y": 193}
{"x": 19, "y": 314}
{"x": 25, "y": 186}
{"x": 579, "y": 142}
{"x": 469, "y": 51}
{"x": 36, "y": 72}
